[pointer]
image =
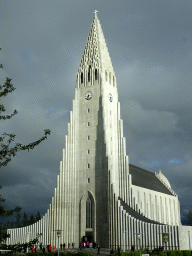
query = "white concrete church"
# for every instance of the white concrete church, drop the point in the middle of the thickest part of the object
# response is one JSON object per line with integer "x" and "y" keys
{"x": 99, "y": 195}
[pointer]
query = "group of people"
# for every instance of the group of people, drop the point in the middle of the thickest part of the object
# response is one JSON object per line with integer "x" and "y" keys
{"x": 62, "y": 246}
{"x": 49, "y": 248}
{"x": 82, "y": 245}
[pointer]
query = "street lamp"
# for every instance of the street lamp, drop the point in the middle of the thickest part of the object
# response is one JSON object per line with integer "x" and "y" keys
{"x": 58, "y": 235}
{"x": 27, "y": 239}
{"x": 124, "y": 240}
{"x": 138, "y": 238}
{"x": 189, "y": 241}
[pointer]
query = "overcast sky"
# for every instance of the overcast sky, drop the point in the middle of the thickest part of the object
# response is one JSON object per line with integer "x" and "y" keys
{"x": 150, "y": 45}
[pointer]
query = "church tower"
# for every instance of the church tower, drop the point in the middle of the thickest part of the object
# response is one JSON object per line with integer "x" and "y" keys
{"x": 94, "y": 150}
{"x": 100, "y": 197}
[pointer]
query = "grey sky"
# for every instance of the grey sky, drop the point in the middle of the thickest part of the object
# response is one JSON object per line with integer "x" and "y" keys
{"x": 150, "y": 45}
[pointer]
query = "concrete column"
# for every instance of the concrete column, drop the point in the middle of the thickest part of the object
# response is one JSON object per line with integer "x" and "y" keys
{"x": 158, "y": 235}
{"x": 44, "y": 229}
{"x": 149, "y": 235}
{"x": 57, "y": 206}
{"x": 9, "y": 231}
{"x": 52, "y": 221}
{"x": 18, "y": 235}
{"x": 170, "y": 237}
{"x": 47, "y": 228}
{"x": 155, "y": 235}
{"x": 176, "y": 238}
{"x": 14, "y": 236}
{"x": 85, "y": 81}
{"x": 35, "y": 235}
{"x": 92, "y": 76}
{"x": 127, "y": 232}
{"x": 119, "y": 222}
{"x": 127, "y": 178}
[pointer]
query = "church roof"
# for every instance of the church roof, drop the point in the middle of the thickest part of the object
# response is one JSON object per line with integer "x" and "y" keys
{"x": 146, "y": 179}
{"x": 96, "y": 52}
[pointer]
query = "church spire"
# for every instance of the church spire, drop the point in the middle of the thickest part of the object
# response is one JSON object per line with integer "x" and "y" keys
{"x": 95, "y": 62}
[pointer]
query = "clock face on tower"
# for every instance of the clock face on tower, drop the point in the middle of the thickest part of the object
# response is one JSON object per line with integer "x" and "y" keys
{"x": 110, "y": 97}
{"x": 88, "y": 95}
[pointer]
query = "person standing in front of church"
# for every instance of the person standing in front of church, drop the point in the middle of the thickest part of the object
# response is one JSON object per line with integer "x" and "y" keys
{"x": 98, "y": 249}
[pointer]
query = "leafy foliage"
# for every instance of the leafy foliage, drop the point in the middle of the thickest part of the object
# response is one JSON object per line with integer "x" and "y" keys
{"x": 171, "y": 253}
{"x": 5, "y": 213}
{"x": 18, "y": 247}
{"x": 18, "y": 220}
{"x": 31, "y": 219}
{"x": 38, "y": 216}
{"x": 189, "y": 216}
{"x": 25, "y": 220}
{"x": 186, "y": 253}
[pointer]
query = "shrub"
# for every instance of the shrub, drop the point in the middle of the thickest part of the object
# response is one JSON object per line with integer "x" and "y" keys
{"x": 171, "y": 253}
{"x": 161, "y": 253}
{"x": 186, "y": 253}
{"x": 124, "y": 254}
{"x": 179, "y": 253}
{"x": 82, "y": 254}
{"x": 134, "y": 253}
{"x": 69, "y": 254}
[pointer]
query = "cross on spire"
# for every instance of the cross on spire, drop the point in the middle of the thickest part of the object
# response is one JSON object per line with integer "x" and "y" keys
{"x": 95, "y": 13}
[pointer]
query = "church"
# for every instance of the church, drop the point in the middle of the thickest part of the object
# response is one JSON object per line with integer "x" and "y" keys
{"x": 100, "y": 197}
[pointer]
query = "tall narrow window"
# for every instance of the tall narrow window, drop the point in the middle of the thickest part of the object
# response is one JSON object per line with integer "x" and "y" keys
{"x": 88, "y": 213}
{"x": 81, "y": 77}
{"x": 88, "y": 152}
{"x": 88, "y": 110}
{"x": 89, "y": 75}
{"x": 95, "y": 74}
{"x": 88, "y": 137}
{"x": 88, "y": 124}
{"x": 88, "y": 165}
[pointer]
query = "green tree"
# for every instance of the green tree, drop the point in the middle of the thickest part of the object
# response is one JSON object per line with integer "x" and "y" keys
{"x": 5, "y": 213}
{"x": 25, "y": 220}
{"x": 189, "y": 216}
{"x": 18, "y": 220}
{"x": 31, "y": 219}
{"x": 38, "y": 216}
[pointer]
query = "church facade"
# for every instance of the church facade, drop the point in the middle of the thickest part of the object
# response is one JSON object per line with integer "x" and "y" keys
{"x": 100, "y": 197}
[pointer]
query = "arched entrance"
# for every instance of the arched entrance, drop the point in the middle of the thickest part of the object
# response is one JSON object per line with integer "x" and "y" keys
{"x": 87, "y": 218}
